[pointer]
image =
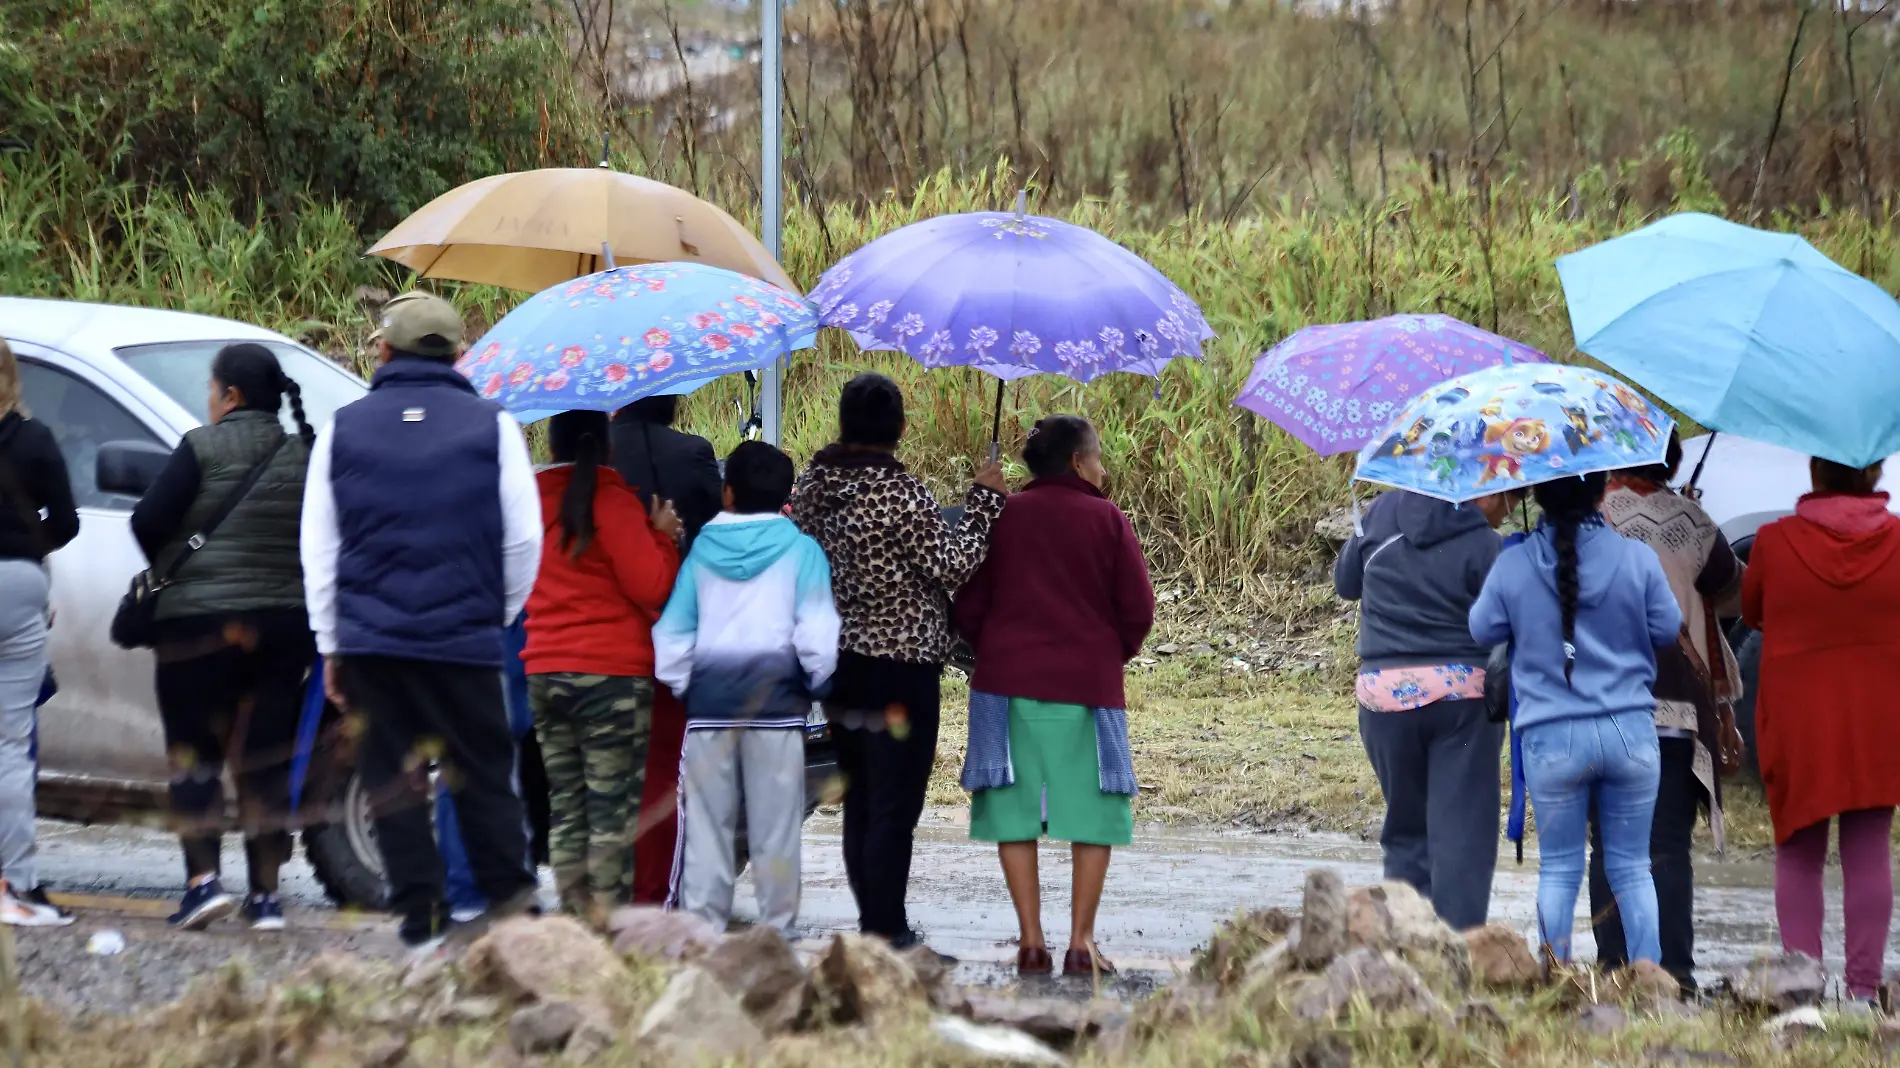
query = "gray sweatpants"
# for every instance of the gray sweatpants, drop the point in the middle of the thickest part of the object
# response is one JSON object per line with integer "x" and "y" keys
{"x": 22, "y": 669}
{"x": 767, "y": 767}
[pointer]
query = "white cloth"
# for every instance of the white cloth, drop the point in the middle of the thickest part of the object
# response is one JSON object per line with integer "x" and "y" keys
{"x": 321, "y": 542}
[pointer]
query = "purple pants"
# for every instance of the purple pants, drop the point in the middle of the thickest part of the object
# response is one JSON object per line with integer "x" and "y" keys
{"x": 1866, "y": 896}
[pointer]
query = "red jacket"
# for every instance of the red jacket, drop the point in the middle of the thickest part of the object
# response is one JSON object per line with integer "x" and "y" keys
{"x": 595, "y": 615}
{"x": 1823, "y": 587}
{"x": 1062, "y": 601}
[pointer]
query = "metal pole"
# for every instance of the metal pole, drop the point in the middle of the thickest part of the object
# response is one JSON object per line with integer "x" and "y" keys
{"x": 771, "y": 189}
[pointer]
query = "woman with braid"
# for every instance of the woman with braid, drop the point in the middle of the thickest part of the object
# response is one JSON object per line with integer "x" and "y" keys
{"x": 1585, "y": 611}
{"x": 234, "y": 643}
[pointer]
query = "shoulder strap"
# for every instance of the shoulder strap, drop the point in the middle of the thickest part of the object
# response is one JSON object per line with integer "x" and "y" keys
{"x": 225, "y": 508}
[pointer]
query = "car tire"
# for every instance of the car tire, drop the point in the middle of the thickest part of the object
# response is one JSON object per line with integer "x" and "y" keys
{"x": 1748, "y": 659}
{"x": 343, "y": 852}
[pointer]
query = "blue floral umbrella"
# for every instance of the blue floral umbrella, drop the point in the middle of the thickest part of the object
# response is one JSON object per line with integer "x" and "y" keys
{"x": 605, "y": 340}
{"x": 1512, "y": 426}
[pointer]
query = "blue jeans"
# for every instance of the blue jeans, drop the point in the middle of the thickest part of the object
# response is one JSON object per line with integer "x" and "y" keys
{"x": 458, "y": 881}
{"x": 1615, "y": 762}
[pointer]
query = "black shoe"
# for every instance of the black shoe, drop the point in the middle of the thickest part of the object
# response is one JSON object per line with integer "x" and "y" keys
{"x": 202, "y": 906}
{"x": 425, "y": 929}
{"x": 910, "y": 939}
{"x": 38, "y": 899}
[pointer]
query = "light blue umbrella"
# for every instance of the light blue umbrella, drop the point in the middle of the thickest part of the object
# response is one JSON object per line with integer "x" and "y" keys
{"x": 1512, "y": 426}
{"x": 1744, "y": 331}
{"x": 605, "y": 340}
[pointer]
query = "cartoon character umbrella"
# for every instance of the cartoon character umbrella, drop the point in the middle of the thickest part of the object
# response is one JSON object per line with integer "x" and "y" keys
{"x": 1746, "y": 332}
{"x": 1011, "y": 295}
{"x": 1335, "y": 386}
{"x": 603, "y": 341}
{"x": 1508, "y": 427}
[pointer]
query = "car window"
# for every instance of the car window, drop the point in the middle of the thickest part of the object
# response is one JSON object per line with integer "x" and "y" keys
{"x": 183, "y": 370}
{"x": 82, "y": 418}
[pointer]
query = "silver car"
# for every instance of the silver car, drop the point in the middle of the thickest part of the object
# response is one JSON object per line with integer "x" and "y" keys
{"x": 123, "y": 385}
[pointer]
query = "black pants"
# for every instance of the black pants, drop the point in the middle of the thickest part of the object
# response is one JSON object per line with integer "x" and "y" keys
{"x": 415, "y": 710}
{"x": 886, "y": 759}
{"x": 1670, "y": 864}
{"x": 231, "y": 692}
{"x": 1438, "y": 768}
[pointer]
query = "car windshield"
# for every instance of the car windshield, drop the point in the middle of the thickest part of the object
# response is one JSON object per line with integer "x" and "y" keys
{"x": 183, "y": 370}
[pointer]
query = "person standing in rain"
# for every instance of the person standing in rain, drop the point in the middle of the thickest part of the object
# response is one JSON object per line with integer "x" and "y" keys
{"x": 421, "y": 539}
{"x": 1416, "y": 571}
{"x": 894, "y": 565}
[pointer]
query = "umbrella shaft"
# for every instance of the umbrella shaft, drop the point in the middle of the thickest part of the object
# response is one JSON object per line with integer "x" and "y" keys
{"x": 996, "y": 423}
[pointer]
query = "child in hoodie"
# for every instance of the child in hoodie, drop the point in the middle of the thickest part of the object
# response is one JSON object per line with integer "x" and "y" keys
{"x": 1585, "y": 610}
{"x": 748, "y": 641}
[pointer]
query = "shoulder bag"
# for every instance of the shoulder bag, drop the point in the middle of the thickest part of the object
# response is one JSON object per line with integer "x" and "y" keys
{"x": 135, "y": 624}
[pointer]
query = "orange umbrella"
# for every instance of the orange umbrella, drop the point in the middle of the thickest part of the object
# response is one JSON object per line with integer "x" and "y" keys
{"x": 532, "y": 229}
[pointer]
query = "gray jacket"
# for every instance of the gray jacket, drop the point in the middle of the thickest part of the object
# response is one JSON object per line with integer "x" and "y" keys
{"x": 251, "y": 562}
{"x": 1416, "y": 571}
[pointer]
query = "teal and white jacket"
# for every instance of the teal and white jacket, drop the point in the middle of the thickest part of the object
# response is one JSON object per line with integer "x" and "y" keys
{"x": 750, "y": 635}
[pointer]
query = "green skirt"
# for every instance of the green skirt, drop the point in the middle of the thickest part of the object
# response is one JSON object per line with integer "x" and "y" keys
{"x": 1052, "y": 749}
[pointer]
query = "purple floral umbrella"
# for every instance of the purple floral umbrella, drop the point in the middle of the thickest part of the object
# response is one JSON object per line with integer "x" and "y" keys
{"x": 1336, "y": 386}
{"x": 1011, "y": 295}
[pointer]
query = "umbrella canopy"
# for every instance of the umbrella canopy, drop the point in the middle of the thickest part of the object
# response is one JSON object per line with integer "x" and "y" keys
{"x": 531, "y": 229}
{"x": 1744, "y": 331}
{"x": 606, "y": 340}
{"x": 1513, "y": 426}
{"x": 1335, "y": 386}
{"x": 1011, "y": 295}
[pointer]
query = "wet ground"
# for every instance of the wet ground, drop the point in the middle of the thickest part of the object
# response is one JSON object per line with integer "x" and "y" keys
{"x": 1165, "y": 895}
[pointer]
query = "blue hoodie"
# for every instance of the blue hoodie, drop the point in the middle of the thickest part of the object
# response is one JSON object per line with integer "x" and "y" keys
{"x": 750, "y": 635}
{"x": 1625, "y": 611}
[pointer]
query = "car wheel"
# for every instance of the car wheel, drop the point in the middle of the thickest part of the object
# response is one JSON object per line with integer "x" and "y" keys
{"x": 1748, "y": 658}
{"x": 343, "y": 852}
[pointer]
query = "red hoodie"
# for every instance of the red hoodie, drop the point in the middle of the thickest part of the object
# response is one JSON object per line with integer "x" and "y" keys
{"x": 594, "y": 615}
{"x": 1823, "y": 587}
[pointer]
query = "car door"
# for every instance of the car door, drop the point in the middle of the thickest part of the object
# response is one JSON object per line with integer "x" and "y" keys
{"x": 103, "y": 724}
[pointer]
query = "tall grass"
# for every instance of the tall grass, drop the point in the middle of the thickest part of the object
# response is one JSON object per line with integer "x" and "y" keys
{"x": 1217, "y": 493}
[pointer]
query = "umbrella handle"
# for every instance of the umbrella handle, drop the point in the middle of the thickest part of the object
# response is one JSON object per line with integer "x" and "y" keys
{"x": 1692, "y": 491}
{"x": 996, "y": 451}
{"x": 607, "y": 257}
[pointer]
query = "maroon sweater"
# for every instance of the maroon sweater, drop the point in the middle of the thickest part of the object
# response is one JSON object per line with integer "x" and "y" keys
{"x": 1062, "y": 602}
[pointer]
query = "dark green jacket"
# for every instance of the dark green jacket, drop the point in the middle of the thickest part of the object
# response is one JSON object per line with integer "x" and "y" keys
{"x": 250, "y": 562}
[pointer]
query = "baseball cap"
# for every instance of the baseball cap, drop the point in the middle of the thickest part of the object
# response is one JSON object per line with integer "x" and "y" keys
{"x": 421, "y": 323}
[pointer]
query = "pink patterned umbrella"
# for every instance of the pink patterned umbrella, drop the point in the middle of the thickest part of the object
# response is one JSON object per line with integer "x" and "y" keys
{"x": 1338, "y": 385}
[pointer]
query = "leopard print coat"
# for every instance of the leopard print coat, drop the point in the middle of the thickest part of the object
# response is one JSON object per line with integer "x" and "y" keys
{"x": 894, "y": 561}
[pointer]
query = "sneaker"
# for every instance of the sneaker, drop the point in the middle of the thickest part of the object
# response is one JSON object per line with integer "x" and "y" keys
{"x": 425, "y": 930}
{"x": 38, "y": 899}
{"x": 202, "y": 906}
{"x": 524, "y": 903}
{"x": 264, "y": 913}
{"x": 17, "y": 911}
{"x": 910, "y": 939}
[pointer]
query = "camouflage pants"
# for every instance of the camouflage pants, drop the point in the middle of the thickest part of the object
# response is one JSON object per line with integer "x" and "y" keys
{"x": 593, "y": 731}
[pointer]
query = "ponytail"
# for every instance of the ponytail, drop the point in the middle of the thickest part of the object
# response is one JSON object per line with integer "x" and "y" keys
{"x": 294, "y": 394}
{"x": 578, "y": 438}
{"x": 1569, "y": 505}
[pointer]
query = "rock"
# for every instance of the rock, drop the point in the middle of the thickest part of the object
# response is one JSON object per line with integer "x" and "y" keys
{"x": 1260, "y": 980}
{"x": 1500, "y": 958}
{"x": 864, "y": 980}
{"x": 1322, "y": 1051}
{"x": 1322, "y": 919}
{"x": 1602, "y": 1020}
{"x": 997, "y": 1045}
{"x": 1177, "y": 1005}
{"x": 544, "y": 1027}
{"x": 593, "y": 1038}
{"x": 1478, "y": 1015}
{"x": 532, "y": 959}
{"x": 1678, "y": 1055}
{"x": 760, "y": 969}
{"x": 1201, "y": 649}
{"x": 1646, "y": 981}
{"x": 424, "y": 971}
{"x": 656, "y": 934}
{"x": 1782, "y": 982}
{"x": 695, "y": 1020}
{"x": 472, "y": 1010}
{"x": 1167, "y": 650}
{"x": 1796, "y": 1023}
{"x": 1335, "y": 527}
{"x": 1394, "y": 915}
{"x": 385, "y": 1052}
{"x": 1057, "y": 1022}
{"x": 1238, "y": 942}
{"x": 1387, "y": 983}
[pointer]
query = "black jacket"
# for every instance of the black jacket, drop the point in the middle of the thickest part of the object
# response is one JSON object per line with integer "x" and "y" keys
{"x": 680, "y": 467}
{"x": 1416, "y": 571}
{"x": 33, "y": 477}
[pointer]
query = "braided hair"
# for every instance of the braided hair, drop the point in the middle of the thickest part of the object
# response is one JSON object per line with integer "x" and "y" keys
{"x": 1570, "y": 504}
{"x": 254, "y": 372}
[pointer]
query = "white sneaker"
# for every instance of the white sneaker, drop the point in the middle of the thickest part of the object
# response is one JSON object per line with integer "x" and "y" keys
{"x": 15, "y": 912}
